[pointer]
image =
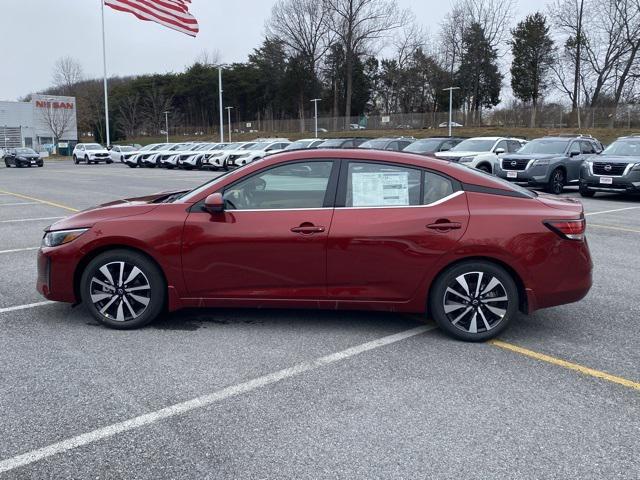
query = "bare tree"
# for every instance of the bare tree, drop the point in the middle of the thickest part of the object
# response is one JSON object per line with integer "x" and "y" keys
{"x": 58, "y": 117}
{"x": 154, "y": 105}
{"x": 67, "y": 72}
{"x": 493, "y": 16}
{"x": 129, "y": 118}
{"x": 208, "y": 58}
{"x": 301, "y": 25}
{"x": 409, "y": 39}
{"x": 357, "y": 25}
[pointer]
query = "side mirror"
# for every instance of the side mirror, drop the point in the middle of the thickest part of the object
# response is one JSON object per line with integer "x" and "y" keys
{"x": 500, "y": 151}
{"x": 445, "y": 149}
{"x": 574, "y": 154}
{"x": 214, "y": 203}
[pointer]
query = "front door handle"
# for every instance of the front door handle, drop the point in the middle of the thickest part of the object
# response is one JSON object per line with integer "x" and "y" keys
{"x": 308, "y": 229}
{"x": 444, "y": 226}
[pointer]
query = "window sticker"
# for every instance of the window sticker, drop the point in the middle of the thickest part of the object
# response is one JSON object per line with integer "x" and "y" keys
{"x": 376, "y": 189}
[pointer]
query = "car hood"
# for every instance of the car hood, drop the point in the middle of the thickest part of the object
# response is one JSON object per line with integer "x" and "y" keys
{"x": 454, "y": 154}
{"x": 616, "y": 159}
{"x": 108, "y": 211}
{"x": 28, "y": 157}
{"x": 531, "y": 156}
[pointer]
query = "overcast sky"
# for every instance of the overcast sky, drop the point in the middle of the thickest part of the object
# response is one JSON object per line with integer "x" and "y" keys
{"x": 37, "y": 32}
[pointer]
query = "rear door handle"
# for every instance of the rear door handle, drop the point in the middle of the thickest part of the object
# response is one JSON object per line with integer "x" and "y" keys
{"x": 445, "y": 226}
{"x": 307, "y": 229}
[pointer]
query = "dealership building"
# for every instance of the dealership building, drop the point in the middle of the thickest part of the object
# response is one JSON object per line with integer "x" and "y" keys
{"x": 37, "y": 123}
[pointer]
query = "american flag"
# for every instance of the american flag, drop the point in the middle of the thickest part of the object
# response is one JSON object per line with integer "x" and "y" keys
{"x": 170, "y": 13}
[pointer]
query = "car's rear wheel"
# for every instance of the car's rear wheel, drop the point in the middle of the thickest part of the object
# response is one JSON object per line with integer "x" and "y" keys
{"x": 123, "y": 289}
{"x": 474, "y": 301}
{"x": 584, "y": 192}
{"x": 556, "y": 182}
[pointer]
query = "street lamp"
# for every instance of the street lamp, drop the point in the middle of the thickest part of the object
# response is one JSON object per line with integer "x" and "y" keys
{"x": 450, "y": 90}
{"x": 166, "y": 124}
{"x": 315, "y": 105}
{"x": 229, "y": 117}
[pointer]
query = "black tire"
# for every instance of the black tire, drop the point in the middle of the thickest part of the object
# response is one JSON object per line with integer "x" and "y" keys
{"x": 485, "y": 168}
{"x": 109, "y": 162}
{"x": 151, "y": 274}
{"x": 86, "y": 159}
{"x": 6, "y": 163}
{"x": 556, "y": 182}
{"x": 75, "y": 160}
{"x": 478, "y": 306}
{"x": 587, "y": 193}
{"x": 225, "y": 166}
{"x": 132, "y": 165}
{"x": 199, "y": 164}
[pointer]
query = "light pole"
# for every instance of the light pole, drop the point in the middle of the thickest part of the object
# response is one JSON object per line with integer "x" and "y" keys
{"x": 450, "y": 90}
{"x": 315, "y": 106}
{"x": 166, "y": 124}
{"x": 229, "y": 119}
{"x": 220, "y": 104}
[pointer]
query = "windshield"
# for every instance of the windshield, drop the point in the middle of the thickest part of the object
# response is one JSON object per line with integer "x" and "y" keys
{"x": 543, "y": 146}
{"x": 25, "y": 151}
{"x": 474, "y": 145}
{"x": 127, "y": 149}
{"x": 247, "y": 146}
{"x": 93, "y": 146}
{"x": 624, "y": 148}
{"x": 422, "y": 146}
{"x": 180, "y": 146}
{"x": 198, "y": 190}
{"x": 375, "y": 144}
{"x": 260, "y": 146}
{"x": 299, "y": 145}
{"x": 332, "y": 143}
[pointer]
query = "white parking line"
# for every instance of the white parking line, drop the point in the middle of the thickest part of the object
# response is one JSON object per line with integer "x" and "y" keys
{"x": 611, "y": 211}
{"x": 16, "y": 220}
{"x": 15, "y": 250}
{"x": 24, "y": 307}
{"x": 203, "y": 401}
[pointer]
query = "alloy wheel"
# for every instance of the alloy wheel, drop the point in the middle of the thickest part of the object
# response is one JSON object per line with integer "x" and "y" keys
{"x": 475, "y": 302}
{"x": 558, "y": 182}
{"x": 120, "y": 291}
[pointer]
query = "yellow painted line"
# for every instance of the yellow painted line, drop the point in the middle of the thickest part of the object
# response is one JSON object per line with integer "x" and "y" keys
{"x": 39, "y": 200}
{"x": 569, "y": 365}
{"x": 610, "y": 227}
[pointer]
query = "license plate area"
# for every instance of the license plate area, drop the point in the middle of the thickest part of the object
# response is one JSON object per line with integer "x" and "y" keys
{"x": 512, "y": 174}
{"x": 606, "y": 180}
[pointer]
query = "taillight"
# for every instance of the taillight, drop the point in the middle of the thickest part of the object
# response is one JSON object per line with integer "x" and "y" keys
{"x": 569, "y": 229}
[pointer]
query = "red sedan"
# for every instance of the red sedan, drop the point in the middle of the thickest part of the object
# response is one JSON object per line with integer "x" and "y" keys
{"x": 333, "y": 229}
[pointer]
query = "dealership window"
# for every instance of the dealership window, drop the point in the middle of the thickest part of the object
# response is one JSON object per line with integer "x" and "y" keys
{"x": 28, "y": 142}
{"x": 295, "y": 185}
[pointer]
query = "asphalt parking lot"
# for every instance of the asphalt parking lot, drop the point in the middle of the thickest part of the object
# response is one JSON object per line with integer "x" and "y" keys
{"x": 305, "y": 394}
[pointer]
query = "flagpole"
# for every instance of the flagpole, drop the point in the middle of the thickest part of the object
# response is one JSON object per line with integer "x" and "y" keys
{"x": 104, "y": 64}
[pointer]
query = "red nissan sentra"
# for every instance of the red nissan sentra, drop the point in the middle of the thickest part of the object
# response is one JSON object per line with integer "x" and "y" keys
{"x": 332, "y": 229}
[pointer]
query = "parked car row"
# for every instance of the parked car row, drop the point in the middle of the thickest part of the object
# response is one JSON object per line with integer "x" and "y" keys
{"x": 551, "y": 162}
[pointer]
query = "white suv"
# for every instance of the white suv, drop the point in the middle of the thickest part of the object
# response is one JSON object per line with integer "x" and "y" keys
{"x": 482, "y": 153}
{"x": 256, "y": 152}
{"x": 91, "y": 153}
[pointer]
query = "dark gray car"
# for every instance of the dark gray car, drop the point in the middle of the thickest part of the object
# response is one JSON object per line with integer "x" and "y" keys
{"x": 617, "y": 169}
{"x": 549, "y": 162}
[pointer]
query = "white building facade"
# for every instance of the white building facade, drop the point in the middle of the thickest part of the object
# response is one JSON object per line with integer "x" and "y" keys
{"x": 39, "y": 123}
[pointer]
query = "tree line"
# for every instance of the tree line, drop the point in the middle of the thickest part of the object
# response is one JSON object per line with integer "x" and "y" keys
{"x": 369, "y": 57}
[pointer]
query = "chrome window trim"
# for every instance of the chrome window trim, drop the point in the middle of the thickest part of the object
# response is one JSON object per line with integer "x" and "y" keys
{"x": 439, "y": 202}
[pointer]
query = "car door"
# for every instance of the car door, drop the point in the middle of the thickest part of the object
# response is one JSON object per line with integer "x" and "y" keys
{"x": 501, "y": 145}
{"x": 270, "y": 242}
{"x": 587, "y": 151}
{"x": 390, "y": 225}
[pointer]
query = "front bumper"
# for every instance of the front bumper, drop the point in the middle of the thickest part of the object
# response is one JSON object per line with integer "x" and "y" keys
{"x": 629, "y": 183}
{"x": 29, "y": 163}
{"x": 534, "y": 176}
{"x": 56, "y": 270}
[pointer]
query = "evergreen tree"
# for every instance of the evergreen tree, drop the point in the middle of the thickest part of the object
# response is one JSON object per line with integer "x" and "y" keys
{"x": 533, "y": 56}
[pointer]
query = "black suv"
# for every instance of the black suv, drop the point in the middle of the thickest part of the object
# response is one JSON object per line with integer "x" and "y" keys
{"x": 23, "y": 157}
{"x": 429, "y": 146}
{"x": 549, "y": 162}
{"x": 617, "y": 169}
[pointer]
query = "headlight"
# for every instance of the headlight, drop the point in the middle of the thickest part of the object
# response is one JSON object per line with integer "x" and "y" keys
{"x": 467, "y": 159}
{"x": 636, "y": 167}
{"x": 541, "y": 162}
{"x": 60, "y": 237}
{"x": 587, "y": 164}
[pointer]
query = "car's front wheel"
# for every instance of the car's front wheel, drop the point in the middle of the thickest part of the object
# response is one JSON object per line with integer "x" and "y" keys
{"x": 123, "y": 289}
{"x": 75, "y": 160}
{"x": 585, "y": 192}
{"x": 474, "y": 301}
{"x": 556, "y": 182}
